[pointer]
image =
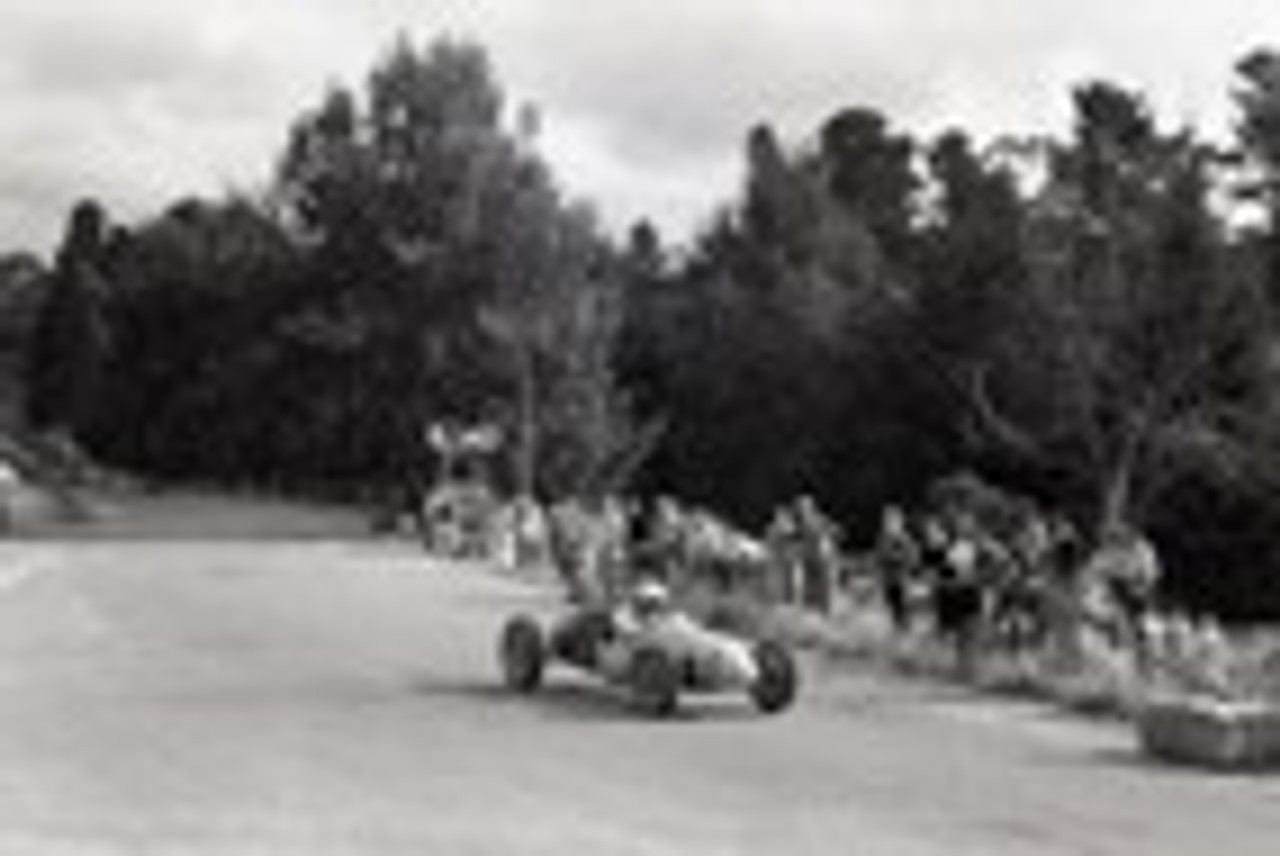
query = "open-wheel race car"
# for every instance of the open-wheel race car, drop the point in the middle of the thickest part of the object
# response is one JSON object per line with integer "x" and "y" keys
{"x": 652, "y": 652}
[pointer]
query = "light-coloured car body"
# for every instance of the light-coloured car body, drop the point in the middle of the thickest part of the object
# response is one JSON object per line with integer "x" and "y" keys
{"x": 656, "y": 658}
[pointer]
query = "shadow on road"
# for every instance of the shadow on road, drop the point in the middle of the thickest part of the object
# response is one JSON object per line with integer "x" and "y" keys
{"x": 577, "y": 701}
{"x": 1136, "y": 760}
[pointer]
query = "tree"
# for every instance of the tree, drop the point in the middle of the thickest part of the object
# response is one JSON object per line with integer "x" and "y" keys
{"x": 439, "y": 235}
{"x": 196, "y": 293}
{"x": 870, "y": 171}
{"x": 1135, "y": 351}
{"x": 576, "y": 432}
{"x": 1258, "y": 133}
{"x": 22, "y": 281}
{"x": 938, "y": 326}
{"x": 69, "y": 342}
{"x": 747, "y": 341}
{"x": 392, "y": 191}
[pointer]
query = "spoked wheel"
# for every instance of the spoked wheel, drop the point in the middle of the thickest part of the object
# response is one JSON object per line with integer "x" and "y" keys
{"x": 523, "y": 654}
{"x": 777, "y": 680}
{"x": 655, "y": 683}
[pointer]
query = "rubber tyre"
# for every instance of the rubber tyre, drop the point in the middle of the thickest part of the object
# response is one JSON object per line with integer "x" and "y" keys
{"x": 778, "y": 680}
{"x": 654, "y": 682}
{"x": 523, "y": 654}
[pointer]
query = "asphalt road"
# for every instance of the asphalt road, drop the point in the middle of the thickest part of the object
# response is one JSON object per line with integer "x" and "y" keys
{"x": 310, "y": 698}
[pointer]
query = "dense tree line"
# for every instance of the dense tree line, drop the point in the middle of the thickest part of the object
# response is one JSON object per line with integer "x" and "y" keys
{"x": 412, "y": 262}
{"x": 21, "y": 279}
{"x": 1086, "y": 318}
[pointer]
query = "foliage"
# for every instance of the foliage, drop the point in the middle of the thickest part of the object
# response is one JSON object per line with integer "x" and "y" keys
{"x": 22, "y": 279}
{"x": 1136, "y": 348}
{"x": 69, "y": 342}
{"x": 411, "y": 258}
{"x": 1087, "y": 318}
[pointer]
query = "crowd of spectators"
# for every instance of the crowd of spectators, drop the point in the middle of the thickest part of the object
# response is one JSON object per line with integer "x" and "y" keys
{"x": 972, "y": 570}
{"x": 982, "y": 571}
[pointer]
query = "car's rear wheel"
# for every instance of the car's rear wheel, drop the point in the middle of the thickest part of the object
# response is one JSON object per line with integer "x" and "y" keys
{"x": 523, "y": 653}
{"x": 654, "y": 681}
{"x": 777, "y": 678}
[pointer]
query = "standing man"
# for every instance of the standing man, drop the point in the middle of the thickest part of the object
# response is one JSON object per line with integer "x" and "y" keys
{"x": 1126, "y": 567}
{"x": 10, "y": 487}
{"x": 896, "y": 563}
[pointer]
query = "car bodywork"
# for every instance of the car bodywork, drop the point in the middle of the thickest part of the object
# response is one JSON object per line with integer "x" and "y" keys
{"x": 656, "y": 661}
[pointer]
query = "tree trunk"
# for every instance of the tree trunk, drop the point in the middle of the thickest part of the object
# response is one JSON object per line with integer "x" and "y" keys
{"x": 527, "y": 438}
{"x": 1117, "y": 517}
{"x": 1117, "y": 494}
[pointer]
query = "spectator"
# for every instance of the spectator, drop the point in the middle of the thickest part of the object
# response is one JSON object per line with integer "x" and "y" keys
{"x": 611, "y": 531}
{"x": 897, "y": 559}
{"x": 1126, "y": 570}
{"x": 10, "y": 487}
{"x": 819, "y": 559}
{"x": 783, "y": 538}
{"x": 958, "y": 594}
{"x": 1062, "y": 597}
{"x": 528, "y": 535}
{"x": 668, "y": 540}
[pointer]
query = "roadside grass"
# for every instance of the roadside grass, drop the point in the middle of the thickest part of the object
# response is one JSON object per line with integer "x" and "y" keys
{"x": 1097, "y": 680}
{"x": 129, "y": 513}
{"x": 1100, "y": 680}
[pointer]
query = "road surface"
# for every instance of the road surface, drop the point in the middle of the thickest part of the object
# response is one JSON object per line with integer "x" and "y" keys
{"x": 311, "y": 698}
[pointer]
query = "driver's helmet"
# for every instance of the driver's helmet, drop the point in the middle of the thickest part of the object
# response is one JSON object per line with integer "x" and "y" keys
{"x": 650, "y": 598}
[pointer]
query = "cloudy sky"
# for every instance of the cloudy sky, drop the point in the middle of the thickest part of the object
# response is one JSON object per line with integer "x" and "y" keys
{"x": 139, "y": 102}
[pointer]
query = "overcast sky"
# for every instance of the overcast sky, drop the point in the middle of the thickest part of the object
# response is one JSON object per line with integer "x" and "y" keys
{"x": 139, "y": 102}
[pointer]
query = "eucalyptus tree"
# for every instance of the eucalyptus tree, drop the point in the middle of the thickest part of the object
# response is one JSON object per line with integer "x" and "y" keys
{"x": 473, "y": 289}
{"x": 1136, "y": 349}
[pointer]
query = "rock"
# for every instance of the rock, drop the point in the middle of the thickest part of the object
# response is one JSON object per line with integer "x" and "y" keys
{"x": 1212, "y": 733}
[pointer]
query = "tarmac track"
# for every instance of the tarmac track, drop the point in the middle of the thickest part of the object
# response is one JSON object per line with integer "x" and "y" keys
{"x": 319, "y": 697}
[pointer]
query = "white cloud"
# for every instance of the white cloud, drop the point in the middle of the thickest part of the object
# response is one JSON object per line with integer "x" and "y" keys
{"x": 143, "y": 101}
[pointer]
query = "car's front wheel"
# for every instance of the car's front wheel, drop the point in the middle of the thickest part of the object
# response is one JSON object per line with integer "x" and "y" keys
{"x": 777, "y": 678}
{"x": 523, "y": 654}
